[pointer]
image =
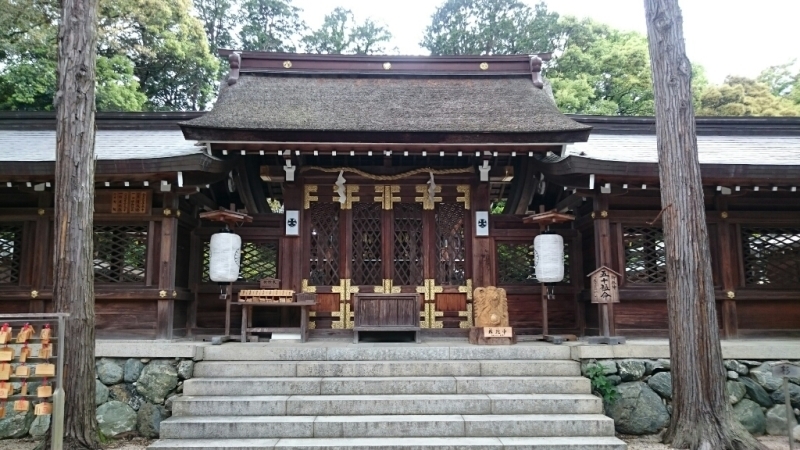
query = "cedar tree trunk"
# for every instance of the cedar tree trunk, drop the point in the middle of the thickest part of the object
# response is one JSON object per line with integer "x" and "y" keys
{"x": 702, "y": 418}
{"x": 73, "y": 290}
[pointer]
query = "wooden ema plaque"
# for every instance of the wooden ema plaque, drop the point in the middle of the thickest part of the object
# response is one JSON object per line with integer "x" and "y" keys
{"x": 605, "y": 286}
{"x": 130, "y": 202}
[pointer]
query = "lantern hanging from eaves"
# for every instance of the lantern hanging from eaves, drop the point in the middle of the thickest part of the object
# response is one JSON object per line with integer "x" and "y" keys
{"x": 548, "y": 256}
{"x": 225, "y": 257}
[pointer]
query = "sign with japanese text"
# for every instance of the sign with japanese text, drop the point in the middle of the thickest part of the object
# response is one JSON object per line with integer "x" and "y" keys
{"x": 785, "y": 369}
{"x": 497, "y": 332}
{"x": 605, "y": 286}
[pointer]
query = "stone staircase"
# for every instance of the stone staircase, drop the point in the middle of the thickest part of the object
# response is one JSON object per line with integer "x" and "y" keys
{"x": 447, "y": 396}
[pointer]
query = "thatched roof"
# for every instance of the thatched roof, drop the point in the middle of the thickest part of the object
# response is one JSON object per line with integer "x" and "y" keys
{"x": 386, "y": 104}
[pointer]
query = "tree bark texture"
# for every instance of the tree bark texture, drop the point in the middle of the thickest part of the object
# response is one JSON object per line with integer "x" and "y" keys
{"x": 73, "y": 291}
{"x": 702, "y": 417}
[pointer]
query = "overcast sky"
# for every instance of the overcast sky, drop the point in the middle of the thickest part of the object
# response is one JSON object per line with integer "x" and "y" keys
{"x": 725, "y": 36}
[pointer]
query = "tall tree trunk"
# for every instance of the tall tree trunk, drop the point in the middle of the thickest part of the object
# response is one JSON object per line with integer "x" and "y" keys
{"x": 702, "y": 417}
{"x": 73, "y": 292}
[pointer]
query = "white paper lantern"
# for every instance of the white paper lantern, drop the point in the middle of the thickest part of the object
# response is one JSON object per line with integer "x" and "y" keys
{"x": 548, "y": 255}
{"x": 225, "y": 257}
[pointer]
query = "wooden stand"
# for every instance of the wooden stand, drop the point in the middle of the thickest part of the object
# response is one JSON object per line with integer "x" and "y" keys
{"x": 544, "y": 219}
{"x": 229, "y": 218}
{"x": 247, "y": 319}
{"x": 476, "y": 337}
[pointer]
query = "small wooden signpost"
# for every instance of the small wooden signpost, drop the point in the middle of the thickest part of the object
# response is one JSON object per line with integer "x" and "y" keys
{"x": 787, "y": 370}
{"x": 605, "y": 290}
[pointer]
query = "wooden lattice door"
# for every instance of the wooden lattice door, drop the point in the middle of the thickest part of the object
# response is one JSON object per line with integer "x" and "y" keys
{"x": 392, "y": 242}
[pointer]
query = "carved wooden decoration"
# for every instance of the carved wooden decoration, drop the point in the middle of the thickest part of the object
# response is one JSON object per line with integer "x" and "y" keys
{"x": 130, "y": 202}
{"x": 605, "y": 285}
{"x": 491, "y": 307}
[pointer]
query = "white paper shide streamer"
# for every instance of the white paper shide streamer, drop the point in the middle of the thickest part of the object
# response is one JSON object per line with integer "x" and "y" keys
{"x": 340, "y": 188}
{"x": 225, "y": 257}
{"x": 548, "y": 255}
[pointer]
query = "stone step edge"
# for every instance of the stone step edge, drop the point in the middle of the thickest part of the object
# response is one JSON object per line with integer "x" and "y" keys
{"x": 351, "y": 397}
{"x": 387, "y": 418}
{"x": 491, "y": 443}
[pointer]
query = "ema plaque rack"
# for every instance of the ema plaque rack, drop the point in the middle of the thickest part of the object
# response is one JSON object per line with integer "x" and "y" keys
{"x": 31, "y": 350}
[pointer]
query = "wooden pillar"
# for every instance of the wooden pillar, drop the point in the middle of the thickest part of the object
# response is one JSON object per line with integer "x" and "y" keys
{"x": 291, "y": 262}
{"x": 603, "y": 253}
{"x": 483, "y": 248}
{"x": 728, "y": 264}
{"x": 41, "y": 253}
{"x": 195, "y": 273}
{"x": 166, "y": 267}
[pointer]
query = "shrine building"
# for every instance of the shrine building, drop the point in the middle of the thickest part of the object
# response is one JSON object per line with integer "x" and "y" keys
{"x": 399, "y": 175}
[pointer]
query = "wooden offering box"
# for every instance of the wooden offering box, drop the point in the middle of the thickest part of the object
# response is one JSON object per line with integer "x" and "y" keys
{"x": 386, "y": 312}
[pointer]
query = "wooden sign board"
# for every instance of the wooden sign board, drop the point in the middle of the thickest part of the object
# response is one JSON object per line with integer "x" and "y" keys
{"x": 605, "y": 285}
{"x": 786, "y": 369}
{"x": 497, "y": 332}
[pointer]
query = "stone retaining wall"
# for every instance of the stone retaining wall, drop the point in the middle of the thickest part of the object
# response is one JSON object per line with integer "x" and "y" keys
{"x": 132, "y": 395}
{"x": 644, "y": 388}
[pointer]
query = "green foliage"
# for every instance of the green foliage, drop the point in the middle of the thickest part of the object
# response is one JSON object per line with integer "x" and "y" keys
{"x": 270, "y": 25}
{"x": 218, "y": 21}
{"x": 595, "y": 68}
{"x": 490, "y": 27}
{"x": 167, "y": 47}
{"x": 117, "y": 88}
{"x": 601, "y": 385}
{"x": 740, "y": 96}
{"x": 340, "y": 34}
{"x": 152, "y": 55}
{"x": 602, "y": 71}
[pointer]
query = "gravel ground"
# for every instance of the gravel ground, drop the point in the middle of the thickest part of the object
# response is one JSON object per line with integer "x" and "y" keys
{"x": 634, "y": 443}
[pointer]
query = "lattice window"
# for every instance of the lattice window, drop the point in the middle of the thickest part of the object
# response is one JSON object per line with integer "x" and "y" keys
{"x": 10, "y": 253}
{"x": 120, "y": 253}
{"x": 450, "y": 244}
{"x": 408, "y": 245}
{"x": 645, "y": 255}
{"x": 771, "y": 256}
{"x": 324, "y": 248}
{"x": 367, "y": 261}
{"x": 259, "y": 260}
{"x": 515, "y": 263}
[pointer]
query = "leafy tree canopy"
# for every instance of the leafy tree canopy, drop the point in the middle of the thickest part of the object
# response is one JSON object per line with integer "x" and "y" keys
{"x": 740, "y": 96}
{"x": 491, "y": 27}
{"x": 341, "y": 34}
{"x": 783, "y": 80}
{"x": 151, "y": 55}
{"x": 270, "y": 25}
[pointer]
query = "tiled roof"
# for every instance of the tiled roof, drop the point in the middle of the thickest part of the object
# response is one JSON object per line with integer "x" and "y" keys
{"x": 40, "y": 145}
{"x": 641, "y": 148}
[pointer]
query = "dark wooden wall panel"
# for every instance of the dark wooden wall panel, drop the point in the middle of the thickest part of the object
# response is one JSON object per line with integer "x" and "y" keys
{"x": 126, "y": 319}
{"x": 451, "y": 302}
{"x": 182, "y": 263}
{"x": 14, "y": 307}
{"x": 769, "y": 315}
{"x": 525, "y": 311}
